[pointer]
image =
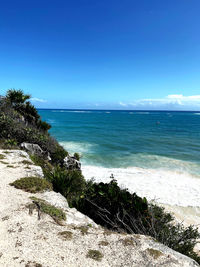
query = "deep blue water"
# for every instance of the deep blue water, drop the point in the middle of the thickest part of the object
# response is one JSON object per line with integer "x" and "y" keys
{"x": 148, "y": 139}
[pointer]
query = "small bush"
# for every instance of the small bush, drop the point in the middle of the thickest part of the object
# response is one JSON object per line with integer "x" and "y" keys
{"x": 104, "y": 243}
{"x": 58, "y": 153}
{"x": 2, "y": 156}
{"x": 56, "y": 213}
{"x": 32, "y": 184}
{"x": 70, "y": 183}
{"x": 47, "y": 168}
{"x": 95, "y": 255}
{"x": 11, "y": 143}
{"x": 43, "y": 125}
{"x": 20, "y": 122}
{"x": 108, "y": 204}
{"x": 26, "y": 162}
{"x": 154, "y": 253}
{"x": 128, "y": 242}
{"x": 33, "y": 264}
{"x": 77, "y": 156}
{"x": 67, "y": 235}
{"x": 10, "y": 166}
{"x": 119, "y": 210}
{"x": 83, "y": 229}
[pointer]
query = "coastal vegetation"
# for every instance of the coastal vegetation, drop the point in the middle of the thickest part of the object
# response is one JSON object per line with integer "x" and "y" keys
{"x": 20, "y": 122}
{"x": 107, "y": 204}
{"x": 32, "y": 184}
{"x": 70, "y": 183}
{"x": 95, "y": 255}
{"x": 66, "y": 235}
{"x": 42, "y": 206}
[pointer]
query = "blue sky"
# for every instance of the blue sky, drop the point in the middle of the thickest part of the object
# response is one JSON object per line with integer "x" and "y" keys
{"x": 109, "y": 54}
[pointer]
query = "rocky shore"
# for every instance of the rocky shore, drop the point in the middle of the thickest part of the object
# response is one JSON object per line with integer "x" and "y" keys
{"x": 27, "y": 240}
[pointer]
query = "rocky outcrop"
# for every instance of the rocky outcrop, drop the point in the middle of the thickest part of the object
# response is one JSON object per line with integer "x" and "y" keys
{"x": 26, "y": 240}
{"x": 71, "y": 163}
{"x": 35, "y": 149}
{"x": 74, "y": 217}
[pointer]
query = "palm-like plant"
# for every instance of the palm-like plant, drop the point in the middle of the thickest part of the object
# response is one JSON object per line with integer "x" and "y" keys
{"x": 16, "y": 97}
{"x": 18, "y": 101}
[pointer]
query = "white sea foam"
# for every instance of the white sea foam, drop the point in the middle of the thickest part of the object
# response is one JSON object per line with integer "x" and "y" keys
{"x": 51, "y": 121}
{"x": 150, "y": 161}
{"x": 196, "y": 113}
{"x": 79, "y": 147}
{"x": 141, "y": 112}
{"x": 167, "y": 187}
{"x": 73, "y": 111}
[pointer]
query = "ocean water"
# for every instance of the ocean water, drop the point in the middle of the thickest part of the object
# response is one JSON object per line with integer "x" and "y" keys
{"x": 156, "y": 154}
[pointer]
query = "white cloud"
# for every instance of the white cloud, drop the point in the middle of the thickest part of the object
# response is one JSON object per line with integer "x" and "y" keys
{"x": 175, "y": 101}
{"x": 175, "y": 96}
{"x": 123, "y": 104}
{"x": 185, "y": 98}
{"x": 35, "y": 99}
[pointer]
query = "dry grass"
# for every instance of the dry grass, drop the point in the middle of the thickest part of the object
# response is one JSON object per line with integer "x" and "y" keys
{"x": 128, "y": 242}
{"x": 2, "y": 156}
{"x": 95, "y": 255}
{"x": 154, "y": 253}
{"x": 26, "y": 162}
{"x": 67, "y": 235}
{"x": 104, "y": 243}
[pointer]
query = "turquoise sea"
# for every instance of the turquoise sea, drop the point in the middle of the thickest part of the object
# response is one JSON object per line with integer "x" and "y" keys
{"x": 137, "y": 146}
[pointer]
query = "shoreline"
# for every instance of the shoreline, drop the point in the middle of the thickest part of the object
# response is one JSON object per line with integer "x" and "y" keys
{"x": 163, "y": 186}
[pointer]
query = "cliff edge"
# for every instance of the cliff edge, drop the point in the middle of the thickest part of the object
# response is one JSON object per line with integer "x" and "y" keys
{"x": 28, "y": 238}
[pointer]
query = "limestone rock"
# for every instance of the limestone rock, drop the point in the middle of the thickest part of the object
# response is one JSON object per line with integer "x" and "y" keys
{"x": 74, "y": 217}
{"x": 71, "y": 163}
{"x": 35, "y": 149}
{"x": 55, "y": 199}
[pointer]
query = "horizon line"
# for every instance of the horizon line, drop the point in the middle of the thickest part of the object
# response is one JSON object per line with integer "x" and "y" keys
{"x": 145, "y": 110}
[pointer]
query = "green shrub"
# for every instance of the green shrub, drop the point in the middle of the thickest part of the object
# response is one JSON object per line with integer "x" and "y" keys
{"x": 11, "y": 143}
{"x": 10, "y": 166}
{"x": 26, "y": 162}
{"x": 103, "y": 243}
{"x": 32, "y": 184}
{"x": 43, "y": 163}
{"x": 58, "y": 153}
{"x": 43, "y": 125}
{"x": 2, "y": 156}
{"x": 20, "y": 122}
{"x": 95, "y": 255}
{"x": 77, "y": 156}
{"x": 16, "y": 97}
{"x": 56, "y": 213}
{"x": 119, "y": 210}
{"x": 70, "y": 183}
{"x": 67, "y": 235}
{"x": 110, "y": 202}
